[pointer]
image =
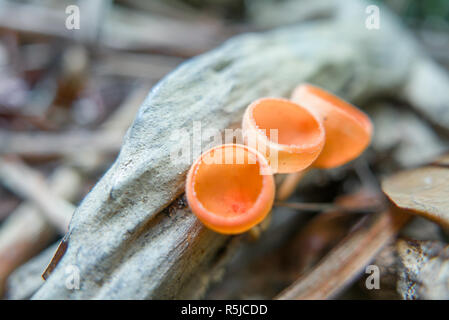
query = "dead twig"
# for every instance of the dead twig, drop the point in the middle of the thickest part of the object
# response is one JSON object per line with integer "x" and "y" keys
{"x": 317, "y": 207}
{"x": 56, "y": 144}
{"x": 338, "y": 268}
{"x": 31, "y": 185}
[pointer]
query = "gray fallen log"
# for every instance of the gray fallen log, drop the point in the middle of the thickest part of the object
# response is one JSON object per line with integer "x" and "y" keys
{"x": 400, "y": 133}
{"x": 123, "y": 242}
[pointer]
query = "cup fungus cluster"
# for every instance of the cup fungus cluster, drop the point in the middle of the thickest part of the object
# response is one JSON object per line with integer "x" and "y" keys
{"x": 230, "y": 188}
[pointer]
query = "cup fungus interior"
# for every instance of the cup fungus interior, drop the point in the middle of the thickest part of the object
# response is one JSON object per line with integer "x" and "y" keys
{"x": 348, "y": 129}
{"x": 347, "y": 108}
{"x": 296, "y": 125}
{"x": 226, "y": 190}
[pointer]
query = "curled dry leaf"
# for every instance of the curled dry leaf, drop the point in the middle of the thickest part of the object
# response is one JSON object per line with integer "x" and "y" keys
{"x": 424, "y": 270}
{"x": 423, "y": 191}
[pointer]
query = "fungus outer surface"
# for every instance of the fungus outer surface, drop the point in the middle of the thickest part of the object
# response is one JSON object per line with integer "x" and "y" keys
{"x": 348, "y": 129}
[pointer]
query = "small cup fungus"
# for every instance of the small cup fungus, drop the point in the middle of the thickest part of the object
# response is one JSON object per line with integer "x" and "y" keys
{"x": 300, "y": 135}
{"x": 226, "y": 189}
{"x": 348, "y": 129}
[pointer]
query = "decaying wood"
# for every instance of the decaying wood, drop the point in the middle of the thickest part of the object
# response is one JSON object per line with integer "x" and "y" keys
{"x": 245, "y": 275}
{"x": 151, "y": 67}
{"x": 348, "y": 259}
{"x": 123, "y": 242}
{"x": 413, "y": 269}
{"x": 423, "y": 270}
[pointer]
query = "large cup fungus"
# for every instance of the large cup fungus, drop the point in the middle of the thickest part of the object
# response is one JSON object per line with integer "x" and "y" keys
{"x": 230, "y": 188}
{"x": 348, "y": 129}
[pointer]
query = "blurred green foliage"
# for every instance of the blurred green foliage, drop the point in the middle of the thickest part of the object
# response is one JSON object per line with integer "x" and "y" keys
{"x": 433, "y": 14}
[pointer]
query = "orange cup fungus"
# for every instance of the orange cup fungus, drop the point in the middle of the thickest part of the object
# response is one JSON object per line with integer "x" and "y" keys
{"x": 300, "y": 134}
{"x": 226, "y": 190}
{"x": 231, "y": 188}
{"x": 348, "y": 129}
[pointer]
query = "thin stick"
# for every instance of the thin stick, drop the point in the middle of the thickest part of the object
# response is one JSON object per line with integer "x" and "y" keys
{"x": 31, "y": 185}
{"x": 338, "y": 268}
{"x": 317, "y": 207}
{"x": 51, "y": 144}
{"x": 289, "y": 184}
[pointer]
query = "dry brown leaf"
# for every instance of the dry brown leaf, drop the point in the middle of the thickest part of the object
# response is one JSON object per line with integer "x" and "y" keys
{"x": 424, "y": 191}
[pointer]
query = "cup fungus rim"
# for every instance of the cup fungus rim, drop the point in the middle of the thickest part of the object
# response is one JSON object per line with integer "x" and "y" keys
{"x": 242, "y": 222}
{"x": 349, "y": 113}
{"x": 279, "y": 146}
{"x": 340, "y": 105}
